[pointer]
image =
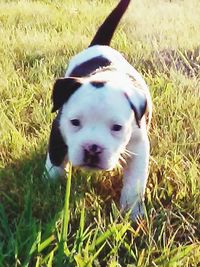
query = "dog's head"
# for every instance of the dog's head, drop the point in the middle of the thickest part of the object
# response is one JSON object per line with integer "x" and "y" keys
{"x": 98, "y": 116}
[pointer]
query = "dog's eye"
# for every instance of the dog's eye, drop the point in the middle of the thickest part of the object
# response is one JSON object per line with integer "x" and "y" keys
{"x": 75, "y": 122}
{"x": 116, "y": 127}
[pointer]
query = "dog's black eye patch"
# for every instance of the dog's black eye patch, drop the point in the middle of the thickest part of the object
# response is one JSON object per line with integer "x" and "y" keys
{"x": 98, "y": 84}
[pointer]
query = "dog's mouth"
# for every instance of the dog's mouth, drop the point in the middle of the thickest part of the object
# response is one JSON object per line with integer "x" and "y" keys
{"x": 92, "y": 166}
{"x": 92, "y": 160}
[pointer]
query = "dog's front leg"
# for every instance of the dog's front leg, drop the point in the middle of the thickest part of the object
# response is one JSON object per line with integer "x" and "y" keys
{"x": 52, "y": 171}
{"x": 135, "y": 176}
{"x": 56, "y": 161}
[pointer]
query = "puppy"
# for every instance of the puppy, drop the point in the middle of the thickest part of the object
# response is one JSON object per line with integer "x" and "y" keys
{"x": 104, "y": 110}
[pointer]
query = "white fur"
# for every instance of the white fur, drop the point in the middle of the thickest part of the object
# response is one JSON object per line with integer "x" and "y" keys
{"x": 135, "y": 176}
{"x": 52, "y": 171}
{"x": 117, "y": 60}
{"x": 98, "y": 110}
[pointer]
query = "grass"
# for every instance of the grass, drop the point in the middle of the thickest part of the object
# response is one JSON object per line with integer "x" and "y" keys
{"x": 161, "y": 39}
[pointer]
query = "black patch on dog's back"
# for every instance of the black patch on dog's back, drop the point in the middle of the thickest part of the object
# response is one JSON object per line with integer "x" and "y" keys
{"x": 88, "y": 67}
{"x": 57, "y": 147}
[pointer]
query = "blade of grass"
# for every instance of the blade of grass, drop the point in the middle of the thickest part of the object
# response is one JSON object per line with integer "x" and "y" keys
{"x": 108, "y": 233}
{"x": 66, "y": 212}
{"x": 45, "y": 243}
{"x": 62, "y": 247}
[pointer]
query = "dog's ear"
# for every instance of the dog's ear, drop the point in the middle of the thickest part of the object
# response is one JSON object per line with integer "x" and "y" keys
{"x": 63, "y": 89}
{"x": 138, "y": 103}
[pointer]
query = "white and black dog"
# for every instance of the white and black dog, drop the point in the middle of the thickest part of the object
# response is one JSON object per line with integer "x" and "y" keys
{"x": 104, "y": 109}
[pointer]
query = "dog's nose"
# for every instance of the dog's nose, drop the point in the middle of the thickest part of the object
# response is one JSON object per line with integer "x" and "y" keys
{"x": 92, "y": 154}
{"x": 93, "y": 149}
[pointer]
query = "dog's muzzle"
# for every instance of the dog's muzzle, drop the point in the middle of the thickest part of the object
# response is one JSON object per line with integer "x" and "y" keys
{"x": 92, "y": 155}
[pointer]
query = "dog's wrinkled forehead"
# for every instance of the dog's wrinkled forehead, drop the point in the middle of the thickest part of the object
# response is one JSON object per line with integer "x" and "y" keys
{"x": 105, "y": 89}
{"x": 98, "y": 99}
{"x": 64, "y": 88}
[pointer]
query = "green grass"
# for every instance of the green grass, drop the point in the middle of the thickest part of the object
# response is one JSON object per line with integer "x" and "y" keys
{"x": 40, "y": 224}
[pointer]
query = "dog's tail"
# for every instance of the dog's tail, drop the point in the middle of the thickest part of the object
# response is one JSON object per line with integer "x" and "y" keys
{"x": 107, "y": 29}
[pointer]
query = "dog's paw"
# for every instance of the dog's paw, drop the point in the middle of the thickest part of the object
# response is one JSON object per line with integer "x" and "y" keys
{"x": 52, "y": 173}
{"x": 132, "y": 203}
{"x": 137, "y": 211}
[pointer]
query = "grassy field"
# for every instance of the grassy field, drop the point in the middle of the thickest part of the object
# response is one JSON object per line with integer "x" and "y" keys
{"x": 43, "y": 224}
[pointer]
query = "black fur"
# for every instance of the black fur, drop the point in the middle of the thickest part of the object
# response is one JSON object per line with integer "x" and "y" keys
{"x": 90, "y": 66}
{"x": 57, "y": 147}
{"x": 107, "y": 29}
{"x": 63, "y": 89}
{"x": 138, "y": 111}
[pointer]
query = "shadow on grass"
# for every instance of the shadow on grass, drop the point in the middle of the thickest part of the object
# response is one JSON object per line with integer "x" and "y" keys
{"x": 24, "y": 178}
{"x": 30, "y": 204}
{"x": 31, "y": 212}
{"x": 23, "y": 181}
